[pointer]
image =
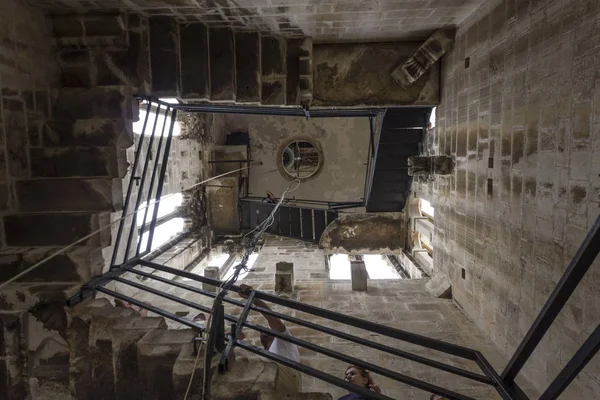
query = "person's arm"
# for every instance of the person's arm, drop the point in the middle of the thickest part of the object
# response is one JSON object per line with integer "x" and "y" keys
{"x": 274, "y": 323}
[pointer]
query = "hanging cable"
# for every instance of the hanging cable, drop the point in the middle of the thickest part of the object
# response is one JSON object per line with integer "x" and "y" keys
{"x": 242, "y": 266}
{"x": 86, "y": 237}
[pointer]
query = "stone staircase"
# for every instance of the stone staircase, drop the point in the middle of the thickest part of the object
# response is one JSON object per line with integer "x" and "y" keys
{"x": 74, "y": 159}
{"x": 193, "y": 62}
{"x": 118, "y": 354}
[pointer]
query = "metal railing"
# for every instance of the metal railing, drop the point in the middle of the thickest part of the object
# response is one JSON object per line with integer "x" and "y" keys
{"x": 504, "y": 383}
{"x": 149, "y": 183}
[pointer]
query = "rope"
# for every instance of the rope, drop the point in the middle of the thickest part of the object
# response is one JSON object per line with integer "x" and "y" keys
{"x": 64, "y": 249}
{"x": 187, "y": 392}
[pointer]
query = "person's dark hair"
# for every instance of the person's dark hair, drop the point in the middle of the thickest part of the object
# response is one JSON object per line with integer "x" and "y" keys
{"x": 363, "y": 372}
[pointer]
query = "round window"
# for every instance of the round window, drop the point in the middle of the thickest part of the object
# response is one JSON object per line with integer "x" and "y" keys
{"x": 300, "y": 159}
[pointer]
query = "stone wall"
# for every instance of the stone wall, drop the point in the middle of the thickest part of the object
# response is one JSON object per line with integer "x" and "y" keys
{"x": 331, "y": 21}
{"x": 361, "y": 74}
{"x": 386, "y": 233}
{"x": 28, "y": 72}
{"x": 520, "y": 113}
{"x": 344, "y": 143}
{"x": 402, "y": 304}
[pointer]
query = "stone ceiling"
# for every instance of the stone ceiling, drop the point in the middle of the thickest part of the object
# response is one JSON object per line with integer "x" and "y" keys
{"x": 324, "y": 20}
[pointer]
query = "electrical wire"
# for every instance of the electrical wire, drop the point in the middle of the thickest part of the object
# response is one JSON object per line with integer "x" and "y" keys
{"x": 86, "y": 237}
{"x": 242, "y": 266}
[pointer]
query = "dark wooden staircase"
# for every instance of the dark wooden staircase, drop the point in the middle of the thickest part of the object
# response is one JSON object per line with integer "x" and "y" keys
{"x": 400, "y": 137}
{"x": 302, "y": 223}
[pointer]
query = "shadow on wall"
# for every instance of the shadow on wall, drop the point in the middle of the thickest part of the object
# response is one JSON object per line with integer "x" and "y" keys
{"x": 365, "y": 234}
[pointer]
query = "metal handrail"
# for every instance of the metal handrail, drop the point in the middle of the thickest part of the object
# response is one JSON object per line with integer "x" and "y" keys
{"x": 504, "y": 383}
{"x": 487, "y": 377}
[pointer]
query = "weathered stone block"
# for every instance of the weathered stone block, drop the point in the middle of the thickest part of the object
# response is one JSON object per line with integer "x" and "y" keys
{"x": 359, "y": 275}
{"x": 273, "y": 91}
{"x": 74, "y": 162}
{"x": 184, "y": 365}
{"x": 67, "y": 25}
{"x": 284, "y": 277}
{"x": 105, "y": 25}
{"x": 78, "y": 265}
{"x": 296, "y": 396}
{"x": 55, "y": 229}
{"x": 126, "y": 332}
{"x": 84, "y": 103}
{"x": 247, "y": 378}
{"x": 69, "y": 195}
{"x": 298, "y": 65}
{"x": 11, "y": 368}
{"x": 210, "y": 272}
{"x": 16, "y": 142}
{"x": 88, "y": 132}
{"x": 247, "y": 66}
{"x": 195, "y": 76}
{"x": 273, "y": 56}
{"x": 222, "y": 65}
{"x": 164, "y": 56}
{"x": 157, "y": 352}
{"x": 284, "y": 282}
{"x": 84, "y": 356}
{"x": 350, "y": 74}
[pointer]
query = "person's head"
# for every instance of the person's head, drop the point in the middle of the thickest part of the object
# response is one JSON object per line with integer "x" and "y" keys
{"x": 358, "y": 376}
{"x": 437, "y": 397}
{"x": 266, "y": 340}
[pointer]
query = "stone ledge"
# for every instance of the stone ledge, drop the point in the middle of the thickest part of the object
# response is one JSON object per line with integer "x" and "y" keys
{"x": 78, "y": 265}
{"x": 62, "y": 162}
{"x": 88, "y": 132}
{"x": 70, "y": 195}
{"x": 57, "y": 229}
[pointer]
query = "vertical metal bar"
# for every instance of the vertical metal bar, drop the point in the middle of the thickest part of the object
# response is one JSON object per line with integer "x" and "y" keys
{"x": 210, "y": 344}
{"x": 129, "y": 189}
{"x": 220, "y": 327}
{"x": 154, "y": 169}
{"x": 372, "y": 135}
{"x": 141, "y": 187}
{"x": 236, "y": 330}
{"x": 161, "y": 178}
{"x": 585, "y": 256}
{"x": 585, "y": 353}
{"x": 505, "y": 390}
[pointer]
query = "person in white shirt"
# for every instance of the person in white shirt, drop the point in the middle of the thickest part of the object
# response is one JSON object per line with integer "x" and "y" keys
{"x": 288, "y": 379}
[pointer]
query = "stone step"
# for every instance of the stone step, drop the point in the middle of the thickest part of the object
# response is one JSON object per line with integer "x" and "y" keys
{"x": 77, "y": 265}
{"x": 157, "y": 353}
{"x": 298, "y": 70}
{"x": 195, "y": 73}
{"x": 273, "y": 70}
{"x": 104, "y": 342}
{"x": 106, "y": 30}
{"x": 63, "y": 162}
{"x": 248, "y": 66}
{"x": 70, "y": 195}
{"x": 58, "y": 229}
{"x": 88, "y": 132}
{"x": 115, "y": 364}
{"x": 164, "y": 56}
{"x": 222, "y": 64}
{"x": 249, "y": 378}
{"x": 91, "y": 103}
{"x": 296, "y": 396}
